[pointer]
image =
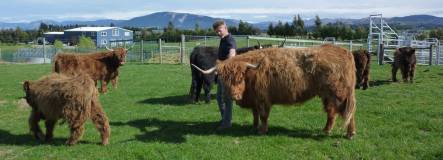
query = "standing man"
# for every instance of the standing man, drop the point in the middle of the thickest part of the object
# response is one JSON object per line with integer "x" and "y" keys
{"x": 226, "y": 50}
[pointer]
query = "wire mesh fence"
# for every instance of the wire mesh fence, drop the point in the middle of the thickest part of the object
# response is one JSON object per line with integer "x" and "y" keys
{"x": 176, "y": 52}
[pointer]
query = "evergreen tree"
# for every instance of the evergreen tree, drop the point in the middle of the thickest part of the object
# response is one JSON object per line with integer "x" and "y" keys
{"x": 270, "y": 29}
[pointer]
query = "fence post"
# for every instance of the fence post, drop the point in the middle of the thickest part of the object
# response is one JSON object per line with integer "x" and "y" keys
{"x": 350, "y": 46}
{"x": 205, "y": 40}
{"x": 0, "y": 54}
{"x": 152, "y": 55}
{"x": 247, "y": 38}
{"x": 182, "y": 49}
{"x": 160, "y": 49}
{"x": 142, "y": 53}
{"x": 437, "y": 54}
{"x": 381, "y": 54}
{"x": 44, "y": 50}
{"x": 430, "y": 54}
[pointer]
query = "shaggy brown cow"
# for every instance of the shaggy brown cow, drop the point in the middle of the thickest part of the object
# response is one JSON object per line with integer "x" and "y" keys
{"x": 100, "y": 66}
{"x": 404, "y": 58}
{"x": 74, "y": 99}
{"x": 205, "y": 57}
{"x": 261, "y": 78}
{"x": 362, "y": 64}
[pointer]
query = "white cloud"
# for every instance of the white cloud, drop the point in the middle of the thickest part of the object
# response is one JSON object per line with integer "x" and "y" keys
{"x": 260, "y": 16}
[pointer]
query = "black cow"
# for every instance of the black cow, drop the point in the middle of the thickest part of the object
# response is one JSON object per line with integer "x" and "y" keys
{"x": 205, "y": 57}
{"x": 404, "y": 58}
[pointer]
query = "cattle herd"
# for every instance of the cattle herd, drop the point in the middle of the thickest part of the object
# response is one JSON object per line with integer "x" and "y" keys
{"x": 257, "y": 78}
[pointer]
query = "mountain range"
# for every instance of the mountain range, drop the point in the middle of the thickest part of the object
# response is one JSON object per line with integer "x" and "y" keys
{"x": 189, "y": 21}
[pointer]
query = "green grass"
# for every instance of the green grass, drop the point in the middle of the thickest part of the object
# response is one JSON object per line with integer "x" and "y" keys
{"x": 151, "y": 118}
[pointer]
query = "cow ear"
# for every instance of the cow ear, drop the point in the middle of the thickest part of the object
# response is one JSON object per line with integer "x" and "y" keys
{"x": 401, "y": 49}
{"x": 26, "y": 86}
{"x": 412, "y": 50}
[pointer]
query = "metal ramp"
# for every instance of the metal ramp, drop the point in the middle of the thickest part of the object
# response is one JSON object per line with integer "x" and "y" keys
{"x": 382, "y": 36}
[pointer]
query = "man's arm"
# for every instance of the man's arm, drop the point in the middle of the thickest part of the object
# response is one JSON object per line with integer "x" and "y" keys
{"x": 232, "y": 53}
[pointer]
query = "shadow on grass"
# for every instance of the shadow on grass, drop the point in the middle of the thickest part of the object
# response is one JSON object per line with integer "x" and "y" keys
{"x": 179, "y": 100}
{"x": 379, "y": 83}
{"x": 7, "y": 138}
{"x": 155, "y": 130}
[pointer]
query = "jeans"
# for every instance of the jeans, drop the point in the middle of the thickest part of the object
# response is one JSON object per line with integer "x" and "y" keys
{"x": 224, "y": 104}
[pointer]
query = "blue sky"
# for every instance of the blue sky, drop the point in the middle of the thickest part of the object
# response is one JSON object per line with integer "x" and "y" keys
{"x": 249, "y": 10}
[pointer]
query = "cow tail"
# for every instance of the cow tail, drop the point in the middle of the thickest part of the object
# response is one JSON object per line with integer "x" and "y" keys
{"x": 349, "y": 108}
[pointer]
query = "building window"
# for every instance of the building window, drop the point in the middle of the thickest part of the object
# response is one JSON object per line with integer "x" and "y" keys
{"x": 104, "y": 34}
{"x": 127, "y": 34}
{"x": 104, "y": 41}
{"x": 115, "y": 32}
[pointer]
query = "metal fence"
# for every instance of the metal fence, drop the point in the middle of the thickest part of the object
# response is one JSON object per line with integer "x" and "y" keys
{"x": 161, "y": 51}
{"x": 427, "y": 52}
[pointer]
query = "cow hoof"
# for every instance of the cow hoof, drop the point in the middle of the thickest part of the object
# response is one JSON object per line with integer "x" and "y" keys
{"x": 365, "y": 87}
{"x": 39, "y": 136}
{"x": 70, "y": 143}
{"x": 262, "y": 131}
{"x": 327, "y": 132}
{"x": 350, "y": 135}
{"x": 105, "y": 142}
{"x": 48, "y": 139}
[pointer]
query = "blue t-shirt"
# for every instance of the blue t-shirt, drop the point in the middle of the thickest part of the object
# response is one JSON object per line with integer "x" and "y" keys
{"x": 226, "y": 43}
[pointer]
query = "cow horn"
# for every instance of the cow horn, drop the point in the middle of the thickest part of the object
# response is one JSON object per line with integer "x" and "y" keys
{"x": 252, "y": 66}
{"x": 282, "y": 44}
{"x": 209, "y": 71}
{"x": 259, "y": 45}
{"x": 108, "y": 48}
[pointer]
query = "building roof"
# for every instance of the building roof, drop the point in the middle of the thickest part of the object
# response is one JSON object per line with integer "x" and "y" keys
{"x": 54, "y": 33}
{"x": 89, "y": 29}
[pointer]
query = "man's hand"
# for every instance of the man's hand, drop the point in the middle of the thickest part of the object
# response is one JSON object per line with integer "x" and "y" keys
{"x": 232, "y": 53}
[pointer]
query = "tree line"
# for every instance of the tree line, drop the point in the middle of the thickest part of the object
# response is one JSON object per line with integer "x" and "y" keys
{"x": 297, "y": 28}
{"x": 432, "y": 33}
{"x": 172, "y": 34}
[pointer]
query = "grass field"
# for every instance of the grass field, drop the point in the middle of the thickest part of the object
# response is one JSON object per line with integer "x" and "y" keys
{"x": 151, "y": 117}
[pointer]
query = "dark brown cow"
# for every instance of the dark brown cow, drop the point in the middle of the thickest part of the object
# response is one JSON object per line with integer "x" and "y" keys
{"x": 101, "y": 66}
{"x": 72, "y": 98}
{"x": 261, "y": 78}
{"x": 362, "y": 64}
{"x": 205, "y": 57}
{"x": 404, "y": 58}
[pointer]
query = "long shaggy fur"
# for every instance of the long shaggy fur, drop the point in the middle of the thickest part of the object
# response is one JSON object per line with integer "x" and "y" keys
{"x": 101, "y": 66}
{"x": 74, "y": 99}
{"x": 363, "y": 66}
{"x": 291, "y": 76}
{"x": 205, "y": 57}
{"x": 404, "y": 58}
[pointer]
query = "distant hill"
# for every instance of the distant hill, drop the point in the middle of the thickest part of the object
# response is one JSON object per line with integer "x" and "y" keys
{"x": 188, "y": 21}
{"x": 419, "y": 21}
{"x": 180, "y": 20}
